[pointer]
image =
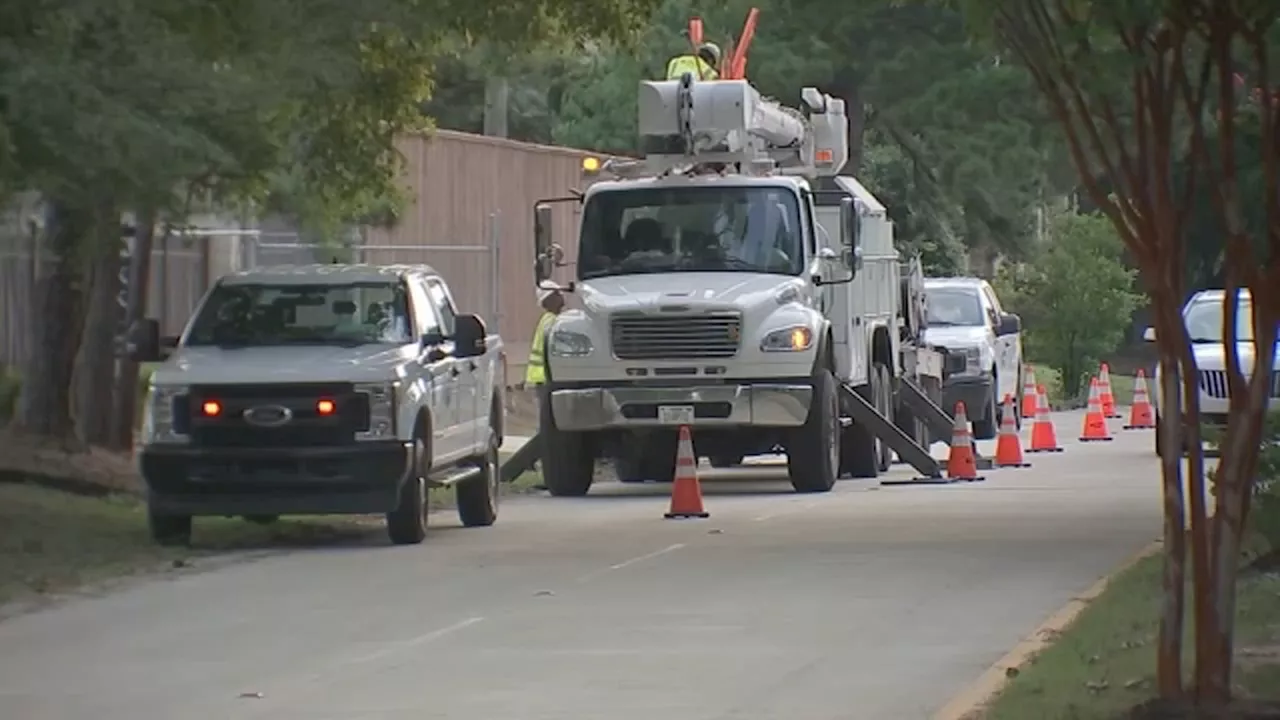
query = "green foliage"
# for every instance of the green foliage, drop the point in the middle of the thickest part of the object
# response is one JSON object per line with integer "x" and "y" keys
{"x": 1076, "y": 297}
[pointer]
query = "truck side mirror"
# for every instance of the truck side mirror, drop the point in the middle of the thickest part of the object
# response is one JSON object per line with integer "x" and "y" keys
{"x": 1010, "y": 324}
{"x": 849, "y": 224}
{"x": 144, "y": 344}
{"x": 470, "y": 336}
{"x": 543, "y": 262}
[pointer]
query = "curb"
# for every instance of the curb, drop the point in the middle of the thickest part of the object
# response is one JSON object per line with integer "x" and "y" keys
{"x": 969, "y": 703}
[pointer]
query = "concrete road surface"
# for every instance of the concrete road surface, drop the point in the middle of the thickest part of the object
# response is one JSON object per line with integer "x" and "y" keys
{"x": 868, "y": 603}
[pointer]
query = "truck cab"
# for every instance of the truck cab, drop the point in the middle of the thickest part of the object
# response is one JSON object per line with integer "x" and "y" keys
{"x": 322, "y": 389}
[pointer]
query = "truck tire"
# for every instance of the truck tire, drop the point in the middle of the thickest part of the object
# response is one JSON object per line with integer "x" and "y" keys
{"x": 567, "y": 465}
{"x": 885, "y": 404}
{"x": 859, "y": 448}
{"x": 648, "y": 460}
{"x": 477, "y": 498}
{"x": 407, "y": 522}
{"x": 169, "y": 530}
{"x": 987, "y": 424}
{"x": 813, "y": 452}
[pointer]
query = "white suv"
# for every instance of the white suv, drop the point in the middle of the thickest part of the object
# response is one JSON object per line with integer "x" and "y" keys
{"x": 1203, "y": 318}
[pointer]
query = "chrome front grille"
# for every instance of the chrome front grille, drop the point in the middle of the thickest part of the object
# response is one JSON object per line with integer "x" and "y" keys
{"x": 675, "y": 337}
{"x": 1214, "y": 384}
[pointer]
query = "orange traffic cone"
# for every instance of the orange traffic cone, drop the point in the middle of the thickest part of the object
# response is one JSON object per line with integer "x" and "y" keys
{"x": 1043, "y": 437}
{"x": 1029, "y": 394}
{"x": 962, "y": 462}
{"x": 1141, "y": 415}
{"x": 686, "y": 491}
{"x": 1095, "y": 422}
{"x": 1105, "y": 395}
{"x": 1009, "y": 445}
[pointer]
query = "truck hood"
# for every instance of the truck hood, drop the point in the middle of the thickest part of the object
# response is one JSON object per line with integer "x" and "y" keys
{"x": 957, "y": 336}
{"x": 703, "y": 290}
{"x": 290, "y": 364}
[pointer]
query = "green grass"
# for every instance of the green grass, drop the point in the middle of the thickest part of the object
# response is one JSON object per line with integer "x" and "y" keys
{"x": 52, "y": 541}
{"x": 1104, "y": 663}
{"x": 1121, "y": 388}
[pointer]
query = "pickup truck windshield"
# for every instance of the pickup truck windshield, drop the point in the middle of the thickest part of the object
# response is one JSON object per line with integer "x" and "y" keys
{"x": 691, "y": 229}
{"x": 1204, "y": 320}
{"x": 954, "y": 306}
{"x": 266, "y": 315}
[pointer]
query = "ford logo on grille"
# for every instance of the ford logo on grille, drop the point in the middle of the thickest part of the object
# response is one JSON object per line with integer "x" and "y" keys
{"x": 268, "y": 415}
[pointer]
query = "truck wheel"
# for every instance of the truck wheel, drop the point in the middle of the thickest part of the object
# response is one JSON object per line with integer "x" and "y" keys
{"x": 567, "y": 465}
{"x": 477, "y": 498}
{"x": 407, "y": 523}
{"x": 884, "y": 395}
{"x": 169, "y": 530}
{"x": 859, "y": 447}
{"x": 986, "y": 425}
{"x": 652, "y": 460}
{"x": 813, "y": 453}
{"x": 726, "y": 461}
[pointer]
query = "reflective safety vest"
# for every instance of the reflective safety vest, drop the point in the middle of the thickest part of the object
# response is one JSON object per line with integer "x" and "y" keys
{"x": 682, "y": 64}
{"x": 535, "y": 372}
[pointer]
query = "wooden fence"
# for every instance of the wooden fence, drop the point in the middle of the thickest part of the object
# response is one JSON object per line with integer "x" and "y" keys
{"x": 470, "y": 216}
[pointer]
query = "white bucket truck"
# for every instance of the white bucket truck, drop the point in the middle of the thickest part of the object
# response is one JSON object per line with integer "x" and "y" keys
{"x": 731, "y": 281}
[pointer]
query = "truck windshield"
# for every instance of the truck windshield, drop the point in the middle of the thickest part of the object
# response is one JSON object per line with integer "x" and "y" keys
{"x": 954, "y": 306}
{"x": 1205, "y": 322}
{"x": 264, "y": 315}
{"x": 691, "y": 229}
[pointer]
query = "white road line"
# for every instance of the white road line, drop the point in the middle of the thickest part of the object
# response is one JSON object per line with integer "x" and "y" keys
{"x": 632, "y": 561}
{"x": 422, "y": 639}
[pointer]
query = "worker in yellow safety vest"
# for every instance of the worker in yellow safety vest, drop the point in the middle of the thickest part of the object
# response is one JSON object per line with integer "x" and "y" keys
{"x": 552, "y": 302}
{"x": 703, "y": 64}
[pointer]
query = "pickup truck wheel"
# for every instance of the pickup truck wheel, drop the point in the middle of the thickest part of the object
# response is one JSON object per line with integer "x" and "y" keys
{"x": 986, "y": 425}
{"x": 478, "y": 497}
{"x": 567, "y": 465}
{"x": 169, "y": 530}
{"x": 813, "y": 452}
{"x": 407, "y": 523}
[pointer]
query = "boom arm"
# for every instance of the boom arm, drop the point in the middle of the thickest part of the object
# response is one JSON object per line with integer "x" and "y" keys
{"x": 728, "y": 121}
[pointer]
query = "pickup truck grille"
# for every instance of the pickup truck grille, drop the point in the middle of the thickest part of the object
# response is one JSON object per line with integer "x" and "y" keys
{"x": 676, "y": 337}
{"x": 1214, "y": 383}
{"x": 305, "y": 428}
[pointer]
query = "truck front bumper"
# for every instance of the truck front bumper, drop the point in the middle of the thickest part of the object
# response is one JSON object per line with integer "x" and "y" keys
{"x": 764, "y": 404}
{"x": 349, "y": 479}
{"x": 974, "y": 391}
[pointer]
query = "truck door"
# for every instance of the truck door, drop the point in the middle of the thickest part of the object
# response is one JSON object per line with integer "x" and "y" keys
{"x": 436, "y": 377}
{"x": 1006, "y": 348}
{"x": 466, "y": 373}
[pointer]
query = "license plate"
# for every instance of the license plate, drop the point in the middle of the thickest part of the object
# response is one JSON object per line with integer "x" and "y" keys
{"x": 675, "y": 414}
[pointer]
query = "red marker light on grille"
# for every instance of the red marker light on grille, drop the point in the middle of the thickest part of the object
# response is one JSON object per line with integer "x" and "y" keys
{"x": 325, "y": 407}
{"x": 211, "y": 408}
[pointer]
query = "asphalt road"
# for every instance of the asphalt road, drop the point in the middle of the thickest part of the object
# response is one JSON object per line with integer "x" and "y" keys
{"x": 869, "y": 603}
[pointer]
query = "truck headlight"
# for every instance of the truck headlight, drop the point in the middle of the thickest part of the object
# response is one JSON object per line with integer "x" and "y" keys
{"x": 566, "y": 343}
{"x": 382, "y": 410}
{"x": 797, "y": 338}
{"x": 163, "y": 420}
{"x": 973, "y": 360}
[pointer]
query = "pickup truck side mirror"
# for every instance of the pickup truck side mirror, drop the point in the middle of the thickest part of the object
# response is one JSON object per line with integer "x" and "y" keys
{"x": 1010, "y": 324}
{"x": 470, "y": 336}
{"x": 145, "y": 344}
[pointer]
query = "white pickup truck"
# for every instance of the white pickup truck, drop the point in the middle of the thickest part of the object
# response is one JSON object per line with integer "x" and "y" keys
{"x": 322, "y": 389}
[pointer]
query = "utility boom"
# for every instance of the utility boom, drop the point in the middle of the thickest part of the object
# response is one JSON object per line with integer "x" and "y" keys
{"x": 685, "y": 122}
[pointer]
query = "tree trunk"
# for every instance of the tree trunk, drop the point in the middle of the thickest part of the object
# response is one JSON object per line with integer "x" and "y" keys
{"x": 1172, "y": 610}
{"x": 95, "y": 373}
{"x": 124, "y": 400}
{"x": 44, "y": 407}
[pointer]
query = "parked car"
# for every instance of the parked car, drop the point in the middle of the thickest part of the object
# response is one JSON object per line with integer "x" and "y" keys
{"x": 322, "y": 389}
{"x": 1203, "y": 318}
{"x": 985, "y": 346}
